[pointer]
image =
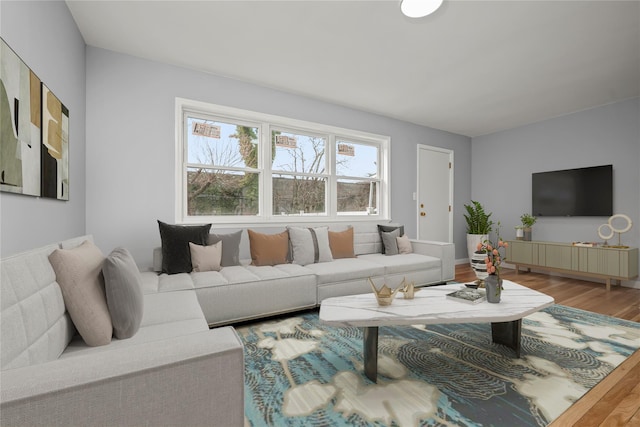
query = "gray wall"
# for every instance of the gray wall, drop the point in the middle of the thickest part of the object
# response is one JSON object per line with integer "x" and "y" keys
{"x": 131, "y": 145}
{"x": 47, "y": 39}
{"x": 502, "y": 164}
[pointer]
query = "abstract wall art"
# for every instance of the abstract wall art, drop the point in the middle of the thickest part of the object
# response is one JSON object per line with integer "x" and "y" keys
{"x": 55, "y": 147}
{"x": 20, "y": 125}
{"x": 34, "y": 132}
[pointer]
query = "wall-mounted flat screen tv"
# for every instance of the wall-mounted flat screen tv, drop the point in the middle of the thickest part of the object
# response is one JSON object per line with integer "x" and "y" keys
{"x": 573, "y": 192}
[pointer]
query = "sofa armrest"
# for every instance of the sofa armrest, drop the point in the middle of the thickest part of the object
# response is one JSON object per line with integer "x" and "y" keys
{"x": 192, "y": 380}
{"x": 446, "y": 252}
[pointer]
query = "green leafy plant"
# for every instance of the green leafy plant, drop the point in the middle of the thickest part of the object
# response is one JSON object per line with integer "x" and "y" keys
{"x": 478, "y": 221}
{"x": 527, "y": 220}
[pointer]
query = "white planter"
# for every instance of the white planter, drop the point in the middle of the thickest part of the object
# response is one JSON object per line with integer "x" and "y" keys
{"x": 472, "y": 243}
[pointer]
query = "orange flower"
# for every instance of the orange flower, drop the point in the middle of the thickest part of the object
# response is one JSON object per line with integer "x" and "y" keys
{"x": 479, "y": 247}
{"x": 495, "y": 252}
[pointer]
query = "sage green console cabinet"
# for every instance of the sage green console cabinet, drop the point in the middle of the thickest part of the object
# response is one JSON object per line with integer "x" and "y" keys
{"x": 598, "y": 262}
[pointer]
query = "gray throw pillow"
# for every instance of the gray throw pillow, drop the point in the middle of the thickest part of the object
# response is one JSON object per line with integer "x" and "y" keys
{"x": 389, "y": 227}
{"x": 390, "y": 242}
{"x": 123, "y": 287}
{"x": 230, "y": 247}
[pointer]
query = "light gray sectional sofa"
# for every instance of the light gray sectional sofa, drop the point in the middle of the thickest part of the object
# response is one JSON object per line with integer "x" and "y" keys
{"x": 174, "y": 370}
{"x": 244, "y": 292}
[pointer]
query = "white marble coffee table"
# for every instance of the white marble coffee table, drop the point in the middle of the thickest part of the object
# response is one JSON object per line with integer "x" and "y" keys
{"x": 431, "y": 306}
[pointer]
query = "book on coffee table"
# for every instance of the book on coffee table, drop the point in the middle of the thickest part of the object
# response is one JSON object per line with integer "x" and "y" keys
{"x": 469, "y": 296}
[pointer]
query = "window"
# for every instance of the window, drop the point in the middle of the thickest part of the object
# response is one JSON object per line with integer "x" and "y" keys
{"x": 357, "y": 177}
{"x": 237, "y": 166}
{"x": 222, "y": 175}
{"x": 299, "y": 173}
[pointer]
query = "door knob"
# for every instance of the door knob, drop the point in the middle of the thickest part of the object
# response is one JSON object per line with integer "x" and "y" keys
{"x": 423, "y": 214}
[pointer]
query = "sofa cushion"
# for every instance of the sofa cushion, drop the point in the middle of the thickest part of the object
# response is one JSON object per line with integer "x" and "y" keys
{"x": 366, "y": 239}
{"x": 166, "y": 315}
{"x": 341, "y": 243}
{"x": 310, "y": 245}
{"x": 230, "y": 247}
{"x": 206, "y": 258}
{"x": 402, "y": 263}
{"x": 123, "y": 288}
{"x": 79, "y": 273}
{"x": 175, "y": 282}
{"x": 389, "y": 241}
{"x": 176, "y": 257}
{"x": 35, "y": 326}
{"x": 340, "y": 270}
{"x": 268, "y": 249}
{"x": 279, "y": 271}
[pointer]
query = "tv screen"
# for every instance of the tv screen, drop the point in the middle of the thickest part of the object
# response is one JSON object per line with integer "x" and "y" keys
{"x": 573, "y": 192}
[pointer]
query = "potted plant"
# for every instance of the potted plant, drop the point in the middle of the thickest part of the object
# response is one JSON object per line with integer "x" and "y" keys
{"x": 478, "y": 226}
{"x": 527, "y": 221}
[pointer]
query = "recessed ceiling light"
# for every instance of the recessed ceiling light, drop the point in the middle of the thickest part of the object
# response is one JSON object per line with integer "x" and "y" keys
{"x": 419, "y": 8}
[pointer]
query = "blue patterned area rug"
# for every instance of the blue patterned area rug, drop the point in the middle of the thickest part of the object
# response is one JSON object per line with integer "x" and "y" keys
{"x": 301, "y": 373}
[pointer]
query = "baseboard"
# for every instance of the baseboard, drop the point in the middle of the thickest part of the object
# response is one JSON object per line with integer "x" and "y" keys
{"x": 462, "y": 261}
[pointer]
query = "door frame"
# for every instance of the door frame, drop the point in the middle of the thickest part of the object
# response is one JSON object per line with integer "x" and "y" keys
{"x": 451, "y": 166}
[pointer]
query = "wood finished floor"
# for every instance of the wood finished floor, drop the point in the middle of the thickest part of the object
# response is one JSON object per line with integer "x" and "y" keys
{"x": 615, "y": 401}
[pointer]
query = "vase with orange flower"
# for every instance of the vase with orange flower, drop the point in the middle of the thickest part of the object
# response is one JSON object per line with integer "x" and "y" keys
{"x": 493, "y": 260}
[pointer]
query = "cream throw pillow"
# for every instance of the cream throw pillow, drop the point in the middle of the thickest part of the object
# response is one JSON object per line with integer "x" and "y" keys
{"x": 79, "y": 274}
{"x": 404, "y": 245}
{"x": 206, "y": 258}
{"x": 310, "y": 245}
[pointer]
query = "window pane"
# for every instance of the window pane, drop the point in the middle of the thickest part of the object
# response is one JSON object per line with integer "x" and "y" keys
{"x": 298, "y": 153}
{"x": 356, "y": 160}
{"x": 221, "y": 144}
{"x": 295, "y": 195}
{"x": 216, "y": 192}
{"x": 357, "y": 196}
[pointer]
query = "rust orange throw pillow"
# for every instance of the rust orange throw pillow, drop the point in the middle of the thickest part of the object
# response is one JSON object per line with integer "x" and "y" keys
{"x": 268, "y": 249}
{"x": 341, "y": 243}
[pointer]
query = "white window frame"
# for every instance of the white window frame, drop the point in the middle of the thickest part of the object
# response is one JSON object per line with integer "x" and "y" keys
{"x": 266, "y": 123}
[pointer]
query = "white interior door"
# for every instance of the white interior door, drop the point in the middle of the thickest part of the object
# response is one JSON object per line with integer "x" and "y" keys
{"x": 435, "y": 194}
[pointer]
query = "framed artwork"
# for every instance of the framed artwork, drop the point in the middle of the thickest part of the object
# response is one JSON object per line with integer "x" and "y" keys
{"x": 34, "y": 132}
{"x": 20, "y": 125}
{"x": 55, "y": 147}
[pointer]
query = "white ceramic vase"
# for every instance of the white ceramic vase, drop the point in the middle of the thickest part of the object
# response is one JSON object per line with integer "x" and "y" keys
{"x": 472, "y": 244}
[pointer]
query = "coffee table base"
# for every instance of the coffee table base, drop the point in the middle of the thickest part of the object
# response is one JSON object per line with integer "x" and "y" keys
{"x": 505, "y": 333}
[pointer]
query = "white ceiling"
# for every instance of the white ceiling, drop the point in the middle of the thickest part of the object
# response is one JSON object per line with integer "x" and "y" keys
{"x": 473, "y": 67}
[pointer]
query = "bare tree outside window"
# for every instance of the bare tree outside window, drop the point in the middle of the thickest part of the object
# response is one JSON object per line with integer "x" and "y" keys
{"x": 216, "y": 181}
{"x": 238, "y": 163}
{"x": 357, "y": 184}
{"x": 299, "y": 174}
